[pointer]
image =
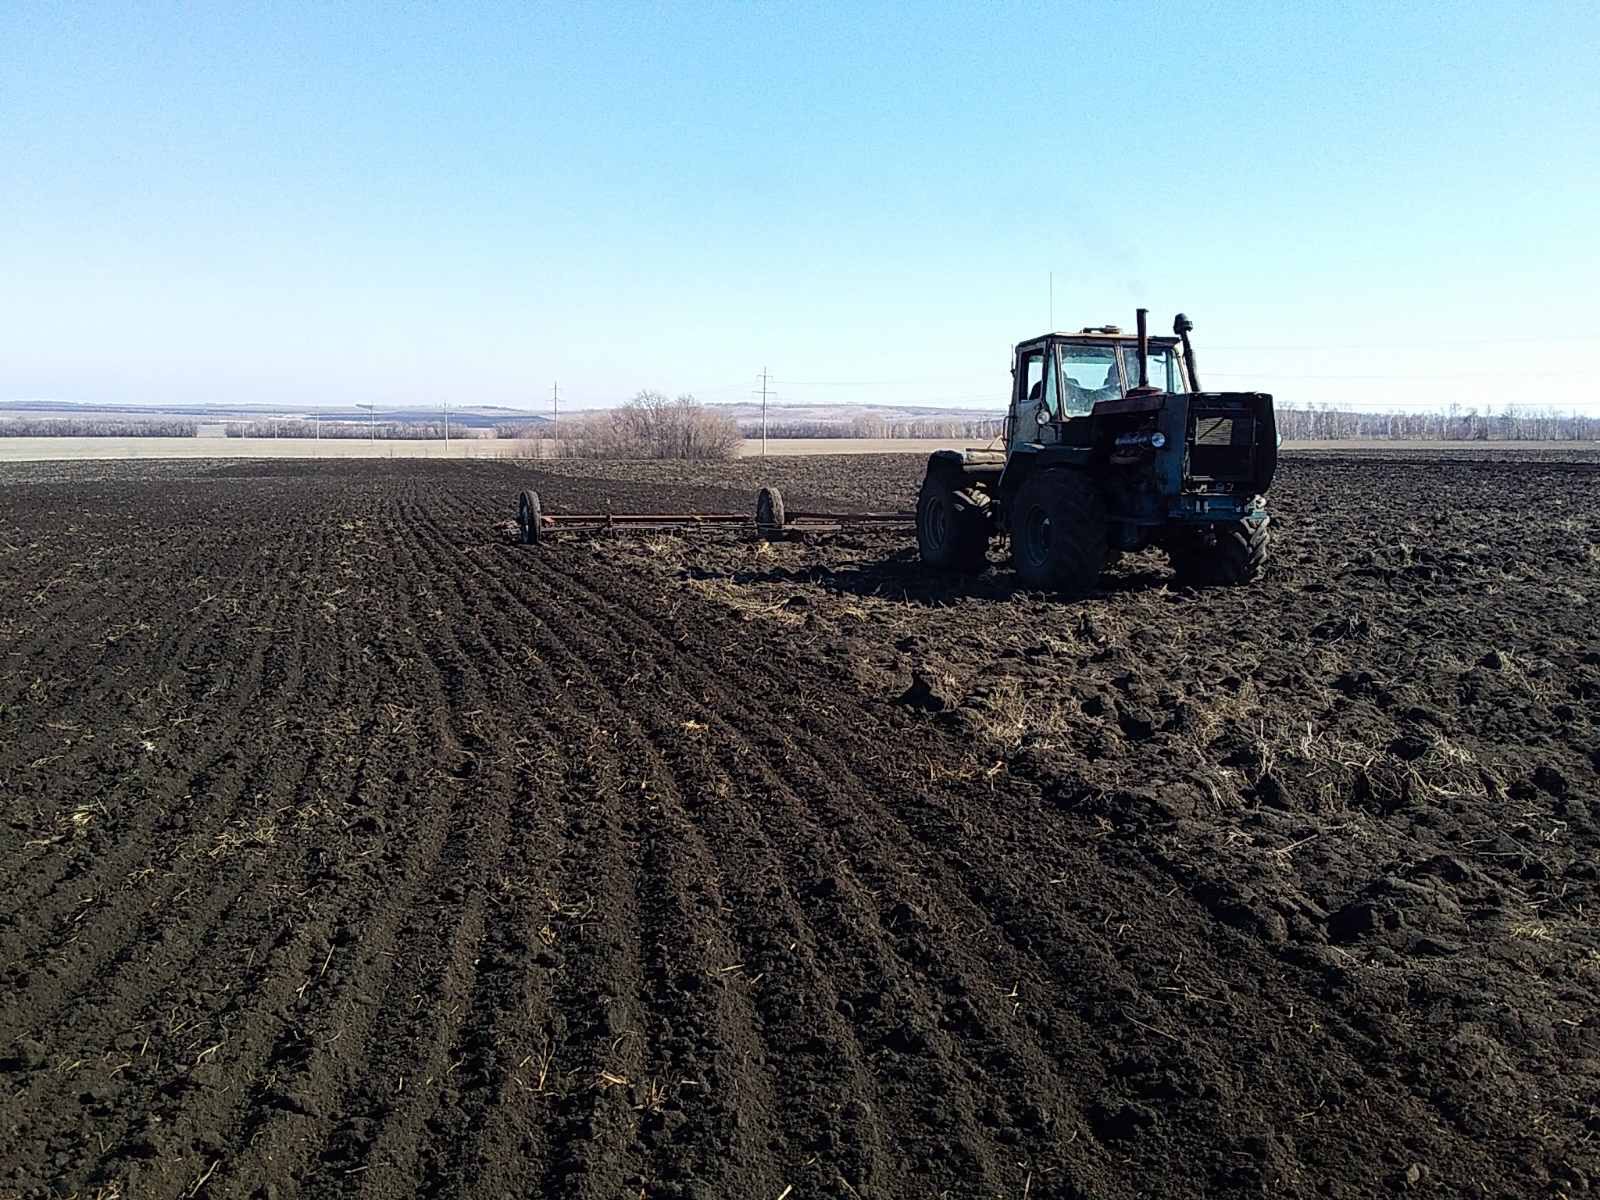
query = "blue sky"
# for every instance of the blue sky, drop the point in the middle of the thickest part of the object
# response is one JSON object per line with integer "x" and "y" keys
{"x": 1381, "y": 206}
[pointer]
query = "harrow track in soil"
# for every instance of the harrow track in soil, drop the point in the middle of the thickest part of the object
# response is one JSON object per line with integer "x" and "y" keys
{"x": 351, "y": 849}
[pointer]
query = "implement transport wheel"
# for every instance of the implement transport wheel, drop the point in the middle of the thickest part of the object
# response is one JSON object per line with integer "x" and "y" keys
{"x": 769, "y": 510}
{"x": 951, "y": 534}
{"x": 1058, "y": 533}
{"x": 529, "y": 517}
{"x": 1225, "y": 555}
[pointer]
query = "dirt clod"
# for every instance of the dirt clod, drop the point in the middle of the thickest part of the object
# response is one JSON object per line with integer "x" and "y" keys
{"x": 30, "y": 1054}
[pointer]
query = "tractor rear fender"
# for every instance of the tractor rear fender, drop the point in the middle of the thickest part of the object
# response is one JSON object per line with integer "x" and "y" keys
{"x": 1032, "y": 457}
{"x": 967, "y": 462}
{"x": 976, "y": 471}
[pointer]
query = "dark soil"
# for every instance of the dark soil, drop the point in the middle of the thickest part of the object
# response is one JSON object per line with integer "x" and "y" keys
{"x": 350, "y": 848}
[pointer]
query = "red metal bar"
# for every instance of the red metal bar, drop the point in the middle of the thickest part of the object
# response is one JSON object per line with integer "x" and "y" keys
{"x": 715, "y": 518}
{"x": 803, "y": 522}
{"x": 634, "y": 524}
{"x": 847, "y": 518}
{"x": 629, "y": 518}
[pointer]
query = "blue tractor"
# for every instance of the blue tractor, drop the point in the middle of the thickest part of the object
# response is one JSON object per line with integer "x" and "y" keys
{"x": 1110, "y": 446}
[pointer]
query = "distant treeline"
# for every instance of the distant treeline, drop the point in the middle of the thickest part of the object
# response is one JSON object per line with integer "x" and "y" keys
{"x": 1294, "y": 424}
{"x": 94, "y": 427}
{"x": 1510, "y": 425}
{"x": 414, "y": 431}
{"x": 523, "y": 429}
{"x": 879, "y": 427}
{"x": 1324, "y": 423}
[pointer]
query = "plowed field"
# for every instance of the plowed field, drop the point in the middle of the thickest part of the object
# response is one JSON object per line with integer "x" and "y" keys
{"x": 351, "y": 849}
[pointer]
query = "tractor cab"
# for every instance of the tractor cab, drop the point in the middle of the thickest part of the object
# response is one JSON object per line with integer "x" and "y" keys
{"x": 1058, "y": 377}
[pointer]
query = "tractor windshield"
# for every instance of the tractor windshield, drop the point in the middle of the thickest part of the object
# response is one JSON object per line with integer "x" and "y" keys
{"x": 1164, "y": 371}
{"x": 1088, "y": 375}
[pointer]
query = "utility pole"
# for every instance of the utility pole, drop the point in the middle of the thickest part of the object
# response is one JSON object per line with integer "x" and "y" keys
{"x": 763, "y": 412}
{"x": 555, "y": 417}
{"x": 447, "y": 425}
{"x": 1052, "y": 301}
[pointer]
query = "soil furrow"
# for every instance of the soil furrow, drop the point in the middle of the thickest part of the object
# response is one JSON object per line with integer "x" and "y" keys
{"x": 124, "y": 754}
{"x": 239, "y": 812}
{"x": 799, "y": 1034}
{"x": 691, "y": 995}
{"x": 582, "y": 1053}
{"x": 1038, "y": 1061}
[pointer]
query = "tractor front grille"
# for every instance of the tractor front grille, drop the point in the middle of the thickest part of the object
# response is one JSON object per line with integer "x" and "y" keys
{"x": 1222, "y": 446}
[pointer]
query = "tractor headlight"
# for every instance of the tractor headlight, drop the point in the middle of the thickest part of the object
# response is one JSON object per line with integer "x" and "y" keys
{"x": 1158, "y": 440}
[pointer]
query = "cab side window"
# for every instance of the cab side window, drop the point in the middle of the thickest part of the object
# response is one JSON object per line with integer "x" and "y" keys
{"x": 1033, "y": 382}
{"x": 1030, "y": 395}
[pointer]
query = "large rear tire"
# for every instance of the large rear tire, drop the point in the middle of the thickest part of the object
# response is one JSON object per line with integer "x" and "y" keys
{"x": 1229, "y": 555}
{"x": 951, "y": 534}
{"x": 1059, "y": 533}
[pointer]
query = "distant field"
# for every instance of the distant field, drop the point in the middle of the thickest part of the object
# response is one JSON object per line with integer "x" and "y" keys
{"x": 776, "y": 446}
{"x": 42, "y": 449}
{"x": 45, "y": 449}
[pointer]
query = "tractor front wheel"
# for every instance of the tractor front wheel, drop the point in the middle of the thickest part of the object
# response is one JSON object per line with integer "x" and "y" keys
{"x": 951, "y": 534}
{"x": 1059, "y": 533}
{"x": 1220, "y": 556}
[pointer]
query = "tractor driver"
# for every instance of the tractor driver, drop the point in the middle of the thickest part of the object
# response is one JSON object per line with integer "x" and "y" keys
{"x": 1081, "y": 399}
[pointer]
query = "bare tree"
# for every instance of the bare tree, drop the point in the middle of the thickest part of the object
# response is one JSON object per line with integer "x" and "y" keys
{"x": 1513, "y": 424}
{"x": 651, "y": 426}
{"x": 95, "y": 427}
{"x": 394, "y": 430}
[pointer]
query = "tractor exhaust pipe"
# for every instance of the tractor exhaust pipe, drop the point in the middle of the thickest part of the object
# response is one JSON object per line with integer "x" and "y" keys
{"x": 1144, "y": 349}
{"x": 1181, "y": 325}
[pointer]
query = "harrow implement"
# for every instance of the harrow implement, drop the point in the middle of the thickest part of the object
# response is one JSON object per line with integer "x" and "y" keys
{"x": 769, "y": 520}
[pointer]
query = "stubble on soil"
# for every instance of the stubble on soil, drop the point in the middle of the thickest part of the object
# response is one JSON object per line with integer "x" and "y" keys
{"x": 350, "y": 848}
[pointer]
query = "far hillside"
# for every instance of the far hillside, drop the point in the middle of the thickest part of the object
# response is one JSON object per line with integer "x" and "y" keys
{"x": 783, "y": 421}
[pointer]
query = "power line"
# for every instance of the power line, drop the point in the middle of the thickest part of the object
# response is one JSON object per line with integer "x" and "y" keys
{"x": 1398, "y": 378}
{"x": 764, "y": 380}
{"x": 1414, "y": 344}
{"x": 720, "y": 387}
{"x": 860, "y": 382}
